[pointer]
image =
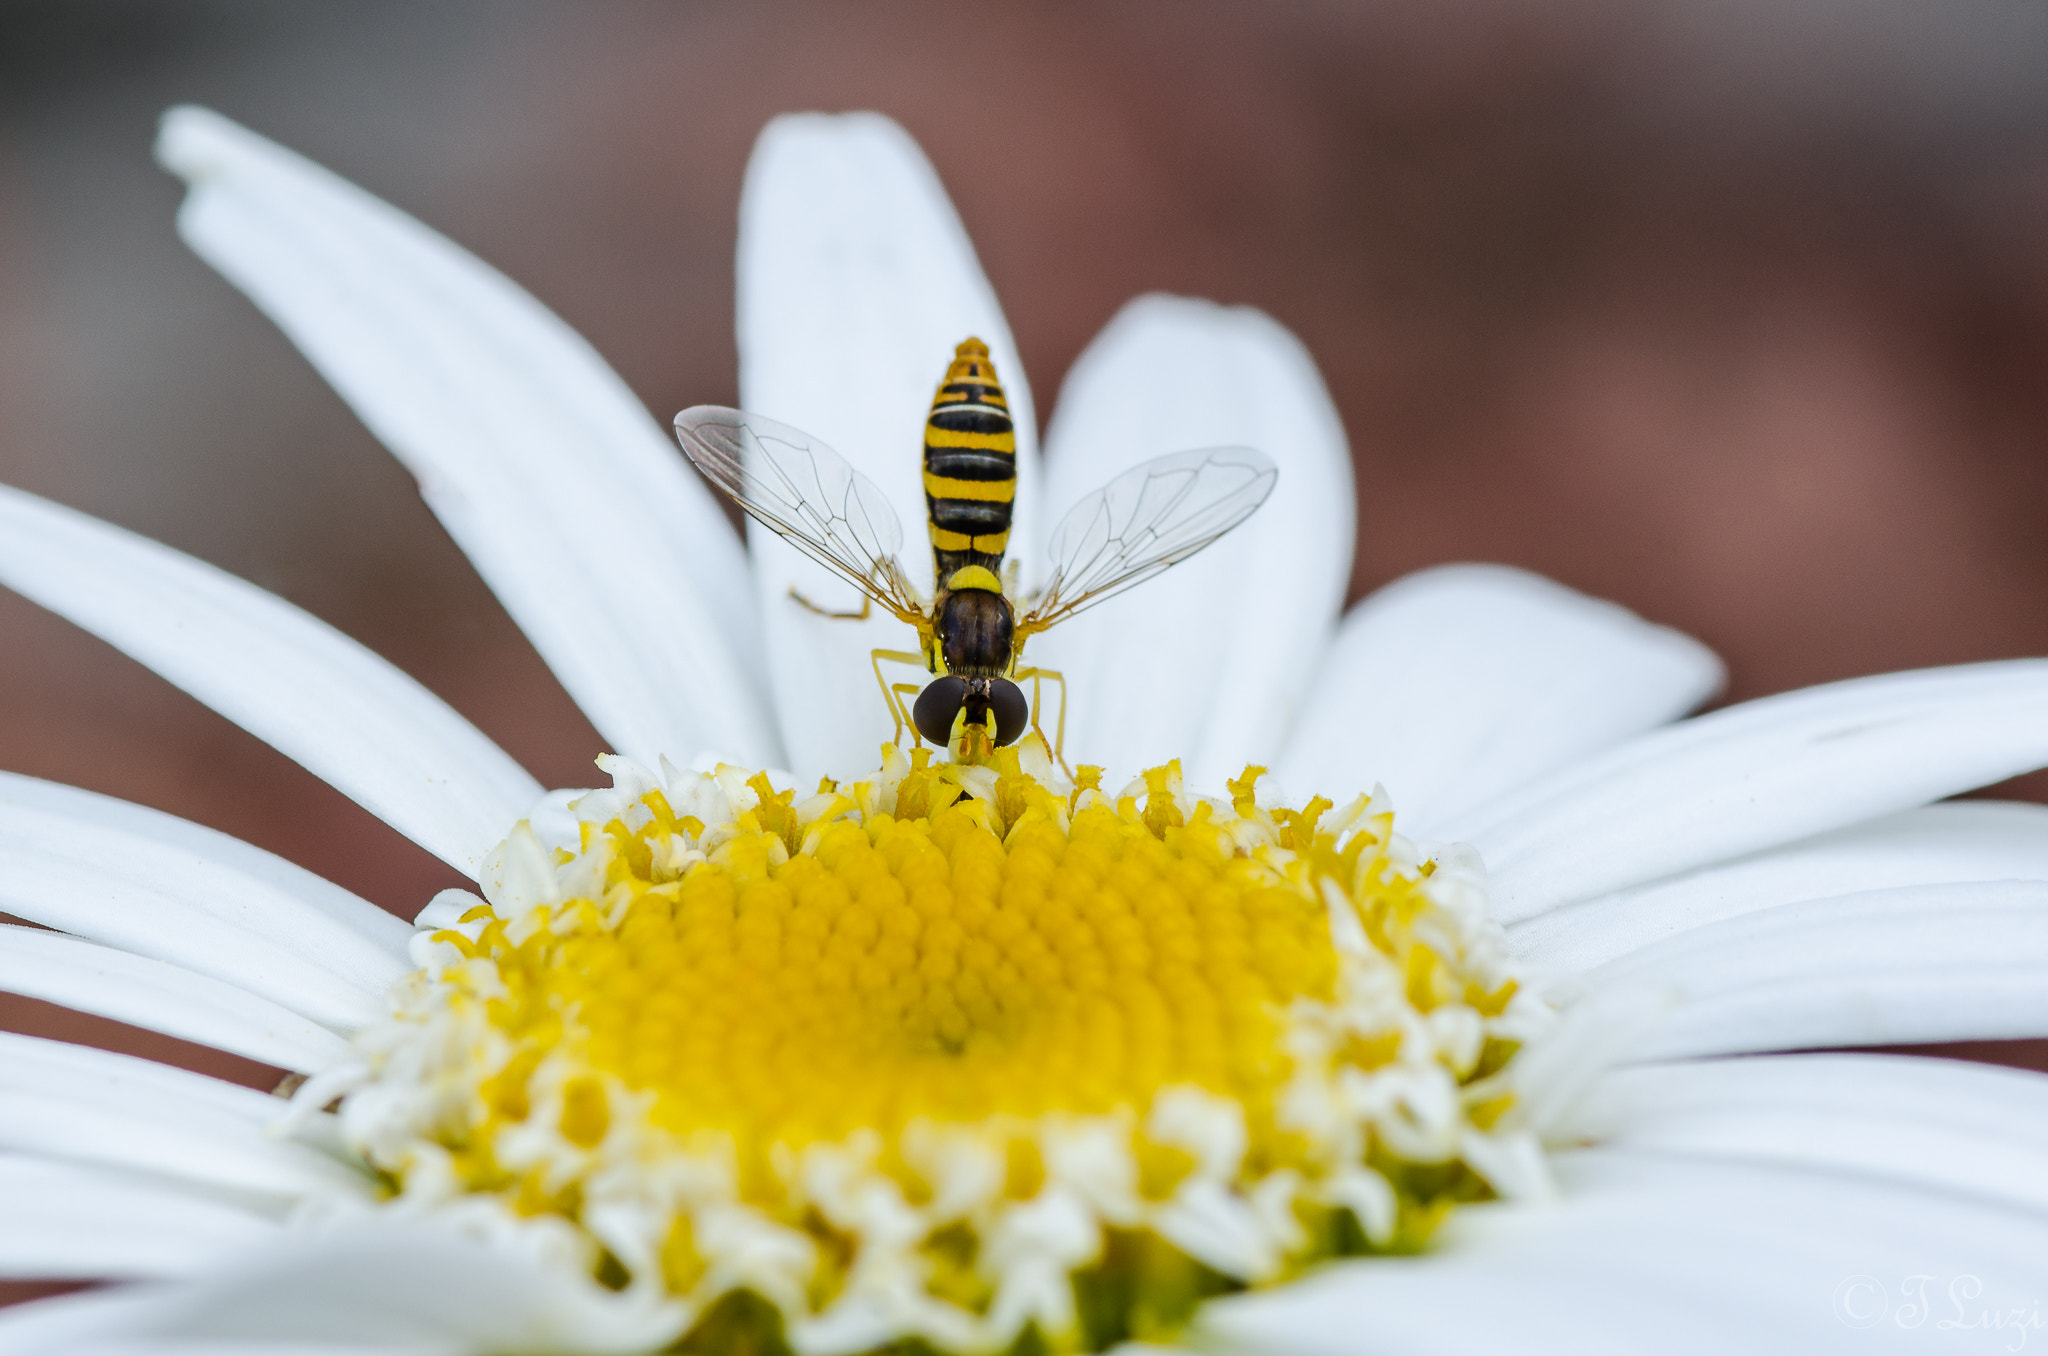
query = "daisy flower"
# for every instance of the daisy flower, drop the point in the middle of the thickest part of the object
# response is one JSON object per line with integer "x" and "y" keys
{"x": 1372, "y": 982}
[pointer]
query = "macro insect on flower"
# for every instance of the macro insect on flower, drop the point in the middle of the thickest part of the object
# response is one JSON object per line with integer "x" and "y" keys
{"x": 1149, "y": 518}
{"x": 988, "y": 1054}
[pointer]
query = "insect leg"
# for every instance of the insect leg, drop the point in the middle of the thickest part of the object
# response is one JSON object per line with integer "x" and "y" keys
{"x": 897, "y": 711}
{"x": 1060, "y": 737}
{"x": 909, "y": 690}
{"x": 866, "y": 605}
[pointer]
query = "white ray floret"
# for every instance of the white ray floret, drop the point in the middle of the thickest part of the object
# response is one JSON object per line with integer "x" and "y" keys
{"x": 290, "y": 679}
{"x": 1166, "y": 374}
{"x": 61, "y": 1220}
{"x": 259, "y": 891}
{"x": 1952, "y": 843}
{"x": 64, "y": 864}
{"x": 1936, "y": 1123}
{"x": 88, "y": 1106}
{"x": 1920, "y": 963}
{"x": 1644, "y": 1243}
{"x": 1458, "y": 683}
{"x": 386, "y": 1286}
{"x": 547, "y": 472}
{"x": 1757, "y": 775}
{"x": 158, "y": 996}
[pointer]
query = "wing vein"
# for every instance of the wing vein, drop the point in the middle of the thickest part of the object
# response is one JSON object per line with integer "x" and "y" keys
{"x": 1206, "y": 493}
{"x": 807, "y": 494}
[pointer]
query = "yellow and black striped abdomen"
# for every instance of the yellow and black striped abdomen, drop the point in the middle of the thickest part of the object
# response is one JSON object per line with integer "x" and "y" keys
{"x": 970, "y": 466}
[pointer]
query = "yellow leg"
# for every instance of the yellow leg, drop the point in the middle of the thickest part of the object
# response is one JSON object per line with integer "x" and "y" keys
{"x": 1059, "y": 744}
{"x": 892, "y": 693}
{"x": 910, "y": 691}
{"x": 866, "y": 606}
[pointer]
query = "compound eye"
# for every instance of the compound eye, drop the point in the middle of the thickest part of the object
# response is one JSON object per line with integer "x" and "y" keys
{"x": 936, "y": 707}
{"x": 1007, "y": 704}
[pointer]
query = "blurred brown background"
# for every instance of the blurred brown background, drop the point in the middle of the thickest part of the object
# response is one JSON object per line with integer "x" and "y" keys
{"x": 1736, "y": 312}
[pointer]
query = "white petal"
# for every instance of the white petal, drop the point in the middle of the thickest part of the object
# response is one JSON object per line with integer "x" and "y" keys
{"x": 291, "y": 1346}
{"x": 1846, "y": 1222}
{"x": 1790, "y": 1238}
{"x": 1456, "y": 684}
{"x": 1210, "y": 662}
{"x": 1916, "y": 1006}
{"x": 59, "y": 1221}
{"x": 1654, "y": 1254}
{"x": 570, "y": 501}
{"x": 1949, "y": 843}
{"x": 288, "y": 678}
{"x": 1756, "y": 775}
{"x": 70, "y": 1102}
{"x": 239, "y": 879}
{"x": 59, "y": 1068}
{"x": 404, "y": 1283}
{"x": 160, "y": 997}
{"x": 68, "y": 1324}
{"x": 1912, "y": 965}
{"x": 1964, "y": 1129}
{"x": 1457, "y": 1305}
{"x": 68, "y": 860}
{"x": 856, "y": 280}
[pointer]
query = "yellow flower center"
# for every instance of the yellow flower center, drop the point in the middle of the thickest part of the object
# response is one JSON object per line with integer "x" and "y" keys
{"x": 967, "y": 1055}
{"x": 924, "y": 967}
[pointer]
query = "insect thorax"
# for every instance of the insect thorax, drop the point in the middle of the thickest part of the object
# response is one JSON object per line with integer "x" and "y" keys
{"x": 976, "y": 631}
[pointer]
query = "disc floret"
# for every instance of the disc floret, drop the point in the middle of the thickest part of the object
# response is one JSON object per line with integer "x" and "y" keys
{"x": 965, "y": 1055}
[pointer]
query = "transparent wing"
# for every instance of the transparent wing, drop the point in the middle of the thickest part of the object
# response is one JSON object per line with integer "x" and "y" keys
{"x": 803, "y": 491}
{"x": 1148, "y": 519}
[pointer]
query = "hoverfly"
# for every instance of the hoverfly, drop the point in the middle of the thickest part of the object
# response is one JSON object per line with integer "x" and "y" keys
{"x": 971, "y": 634}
